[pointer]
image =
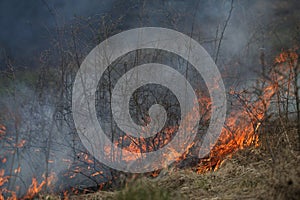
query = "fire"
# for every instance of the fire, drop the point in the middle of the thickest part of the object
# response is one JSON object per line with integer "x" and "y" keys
{"x": 240, "y": 130}
{"x": 241, "y": 127}
{"x": 21, "y": 144}
{"x": 32, "y": 191}
{"x": 4, "y": 179}
{"x": 35, "y": 187}
{"x": 18, "y": 170}
{"x": 66, "y": 195}
{"x": 284, "y": 56}
{"x": 2, "y": 129}
{"x": 97, "y": 173}
{"x": 141, "y": 145}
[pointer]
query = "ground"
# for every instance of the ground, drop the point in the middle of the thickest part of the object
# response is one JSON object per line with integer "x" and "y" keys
{"x": 266, "y": 172}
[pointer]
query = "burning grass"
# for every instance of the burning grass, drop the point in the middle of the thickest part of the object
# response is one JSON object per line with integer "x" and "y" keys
{"x": 268, "y": 171}
{"x": 241, "y": 165}
{"x": 250, "y": 173}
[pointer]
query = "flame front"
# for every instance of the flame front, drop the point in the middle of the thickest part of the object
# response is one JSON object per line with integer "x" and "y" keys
{"x": 240, "y": 131}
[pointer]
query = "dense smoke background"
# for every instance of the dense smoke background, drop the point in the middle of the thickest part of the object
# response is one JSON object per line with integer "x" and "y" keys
{"x": 26, "y": 27}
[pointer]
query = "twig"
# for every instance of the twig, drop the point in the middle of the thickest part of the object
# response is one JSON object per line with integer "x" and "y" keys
{"x": 223, "y": 31}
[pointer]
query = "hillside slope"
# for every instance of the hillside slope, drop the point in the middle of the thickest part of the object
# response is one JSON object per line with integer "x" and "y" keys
{"x": 267, "y": 172}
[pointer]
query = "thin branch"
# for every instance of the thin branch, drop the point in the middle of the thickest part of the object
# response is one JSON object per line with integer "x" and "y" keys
{"x": 223, "y": 31}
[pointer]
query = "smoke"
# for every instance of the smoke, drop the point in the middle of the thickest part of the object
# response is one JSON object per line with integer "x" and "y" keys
{"x": 45, "y": 145}
{"x": 28, "y": 27}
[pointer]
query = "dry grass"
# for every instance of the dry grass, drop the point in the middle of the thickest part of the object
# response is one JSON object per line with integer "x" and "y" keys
{"x": 249, "y": 174}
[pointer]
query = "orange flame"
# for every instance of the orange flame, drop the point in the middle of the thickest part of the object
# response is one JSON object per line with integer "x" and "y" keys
{"x": 3, "y": 180}
{"x": 239, "y": 132}
{"x": 35, "y": 187}
{"x": 287, "y": 56}
{"x": 2, "y": 129}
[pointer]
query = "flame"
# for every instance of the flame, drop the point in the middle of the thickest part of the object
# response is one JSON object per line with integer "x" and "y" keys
{"x": 4, "y": 179}
{"x": 97, "y": 173}
{"x": 35, "y": 187}
{"x": 18, "y": 170}
{"x": 240, "y": 130}
{"x": 241, "y": 127}
{"x": 21, "y": 144}
{"x": 155, "y": 173}
{"x": 287, "y": 56}
{"x": 66, "y": 195}
{"x": 141, "y": 145}
{"x": 2, "y": 129}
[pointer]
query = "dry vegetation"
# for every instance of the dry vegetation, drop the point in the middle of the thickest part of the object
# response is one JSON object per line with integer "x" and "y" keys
{"x": 237, "y": 168}
{"x": 270, "y": 171}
